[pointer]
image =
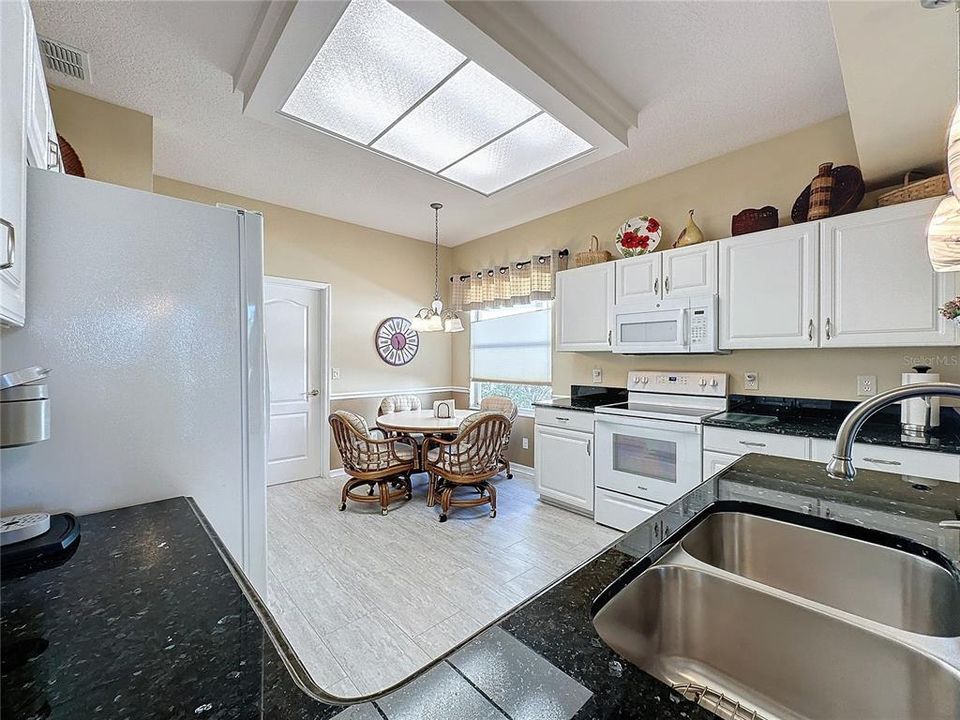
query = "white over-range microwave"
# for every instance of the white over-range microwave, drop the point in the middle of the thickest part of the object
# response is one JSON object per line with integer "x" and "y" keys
{"x": 670, "y": 326}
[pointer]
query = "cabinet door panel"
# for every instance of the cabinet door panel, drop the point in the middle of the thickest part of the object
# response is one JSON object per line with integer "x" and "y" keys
{"x": 690, "y": 271}
{"x": 582, "y": 308}
{"x": 768, "y": 289}
{"x": 564, "y": 466}
{"x": 13, "y": 96}
{"x": 638, "y": 279}
{"x": 714, "y": 462}
{"x": 877, "y": 287}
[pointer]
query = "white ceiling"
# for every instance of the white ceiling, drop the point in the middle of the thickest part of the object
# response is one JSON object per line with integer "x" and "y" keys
{"x": 708, "y": 77}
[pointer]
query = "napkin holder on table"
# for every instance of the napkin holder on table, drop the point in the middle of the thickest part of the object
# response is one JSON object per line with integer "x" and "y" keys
{"x": 443, "y": 409}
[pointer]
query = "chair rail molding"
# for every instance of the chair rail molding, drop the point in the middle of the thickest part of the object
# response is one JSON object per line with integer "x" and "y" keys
{"x": 351, "y": 395}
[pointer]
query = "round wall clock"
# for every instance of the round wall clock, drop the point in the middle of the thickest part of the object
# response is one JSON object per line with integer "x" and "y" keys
{"x": 397, "y": 342}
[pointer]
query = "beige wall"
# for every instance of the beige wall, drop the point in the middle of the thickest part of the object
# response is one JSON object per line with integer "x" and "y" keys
{"x": 373, "y": 275}
{"x": 115, "y": 144}
{"x": 769, "y": 173}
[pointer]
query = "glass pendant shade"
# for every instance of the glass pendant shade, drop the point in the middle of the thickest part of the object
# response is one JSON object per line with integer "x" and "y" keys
{"x": 953, "y": 152}
{"x": 943, "y": 236}
{"x": 453, "y": 324}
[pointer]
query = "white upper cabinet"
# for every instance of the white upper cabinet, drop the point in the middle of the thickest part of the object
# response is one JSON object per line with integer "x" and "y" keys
{"x": 14, "y": 18}
{"x": 638, "y": 279}
{"x": 768, "y": 289}
{"x": 27, "y": 137}
{"x": 877, "y": 287}
{"x": 684, "y": 272}
{"x": 690, "y": 271}
{"x": 581, "y": 310}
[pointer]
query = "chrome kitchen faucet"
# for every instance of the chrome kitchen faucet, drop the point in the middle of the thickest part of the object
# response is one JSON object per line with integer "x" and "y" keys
{"x": 841, "y": 466}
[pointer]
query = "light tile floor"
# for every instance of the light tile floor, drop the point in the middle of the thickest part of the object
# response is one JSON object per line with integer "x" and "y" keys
{"x": 366, "y": 600}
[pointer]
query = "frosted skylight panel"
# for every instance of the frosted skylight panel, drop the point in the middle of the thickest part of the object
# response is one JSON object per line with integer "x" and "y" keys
{"x": 468, "y": 110}
{"x": 531, "y": 148}
{"x": 375, "y": 65}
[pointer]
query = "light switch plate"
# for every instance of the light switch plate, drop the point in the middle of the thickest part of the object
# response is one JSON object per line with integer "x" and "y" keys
{"x": 751, "y": 380}
{"x": 866, "y": 385}
{"x": 597, "y": 375}
{"x": 336, "y": 373}
{"x": 526, "y": 443}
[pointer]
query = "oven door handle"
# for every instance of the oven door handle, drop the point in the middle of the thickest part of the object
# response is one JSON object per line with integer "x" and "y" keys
{"x": 609, "y": 423}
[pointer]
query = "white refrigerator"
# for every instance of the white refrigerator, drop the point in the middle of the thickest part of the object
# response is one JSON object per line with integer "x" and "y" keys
{"x": 148, "y": 311}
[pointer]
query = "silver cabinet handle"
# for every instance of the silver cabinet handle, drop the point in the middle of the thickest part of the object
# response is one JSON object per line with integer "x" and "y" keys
{"x": 656, "y": 286}
{"x": 826, "y": 327}
{"x": 666, "y": 284}
{"x": 810, "y": 330}
{"x": 882, "y": 462}
{"x": 752, "y": 444}
{"x": 588, "y": 447}
{"x": 950, "y": 524}
{"x": 609, "y": 337}
{"x": 11, "y": 245}
{"x": 562, "y": 419}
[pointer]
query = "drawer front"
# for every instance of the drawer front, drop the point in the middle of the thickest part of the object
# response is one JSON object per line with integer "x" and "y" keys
{"x": 714, "y": 462}
{"x": 741, "y": 442}
{"x": 570, "y": 419}
{"x": 918, "y": 463}
{"x": 622, "y": 512}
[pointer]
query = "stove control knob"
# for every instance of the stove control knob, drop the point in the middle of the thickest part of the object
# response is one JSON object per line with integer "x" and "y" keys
{"x": 714, "y": 383}
{"x": 644, "y": 379}
{"x": 702, "y": 382}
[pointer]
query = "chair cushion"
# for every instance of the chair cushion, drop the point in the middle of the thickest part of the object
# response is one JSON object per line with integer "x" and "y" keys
{"x": 404, "y": 451}
{"x": 500, "y": 404}
{"x": 398, "y": 403}
{"x": 470, "y": 420}
{"x": 356, "y": 421}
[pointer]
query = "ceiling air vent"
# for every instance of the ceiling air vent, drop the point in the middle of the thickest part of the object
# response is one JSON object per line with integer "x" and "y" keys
{"x": 65, "y": 59}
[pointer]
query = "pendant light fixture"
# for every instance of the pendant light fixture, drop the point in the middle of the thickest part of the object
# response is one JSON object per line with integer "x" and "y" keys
{"x": 943, "y": 233}
{"x": 435, "y": 318}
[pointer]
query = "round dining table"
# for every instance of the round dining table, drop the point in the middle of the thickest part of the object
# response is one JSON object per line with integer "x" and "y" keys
{"x": 422, "y": 422}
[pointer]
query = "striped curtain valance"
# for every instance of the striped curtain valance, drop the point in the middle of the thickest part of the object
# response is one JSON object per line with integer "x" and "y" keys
{"x": 519, "y": 283}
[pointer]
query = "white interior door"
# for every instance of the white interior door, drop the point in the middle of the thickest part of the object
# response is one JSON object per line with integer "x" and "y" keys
{"x": 292, "y": 320}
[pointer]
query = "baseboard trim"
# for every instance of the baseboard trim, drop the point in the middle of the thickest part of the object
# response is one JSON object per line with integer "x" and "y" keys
{"x": 398, "y": 391}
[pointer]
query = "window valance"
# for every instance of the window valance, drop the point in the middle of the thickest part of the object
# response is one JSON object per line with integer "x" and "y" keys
{"x": 519, "y": 283}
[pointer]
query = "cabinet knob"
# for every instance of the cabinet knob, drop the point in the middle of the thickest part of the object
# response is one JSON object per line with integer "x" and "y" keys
{"x": 11, "y": 245}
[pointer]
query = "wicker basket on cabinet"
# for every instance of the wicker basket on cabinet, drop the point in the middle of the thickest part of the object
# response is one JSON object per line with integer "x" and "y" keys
{"x": 593, "y": 254}
{"x": 926, "y": 188}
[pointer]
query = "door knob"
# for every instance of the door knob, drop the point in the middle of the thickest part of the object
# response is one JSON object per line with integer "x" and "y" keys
{"x": 313, "y": 393}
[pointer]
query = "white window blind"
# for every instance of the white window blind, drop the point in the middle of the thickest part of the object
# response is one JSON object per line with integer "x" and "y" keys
{"x": 511, "y": 345}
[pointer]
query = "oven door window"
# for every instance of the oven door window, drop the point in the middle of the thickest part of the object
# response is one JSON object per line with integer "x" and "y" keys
{"x": 645, "y": 457}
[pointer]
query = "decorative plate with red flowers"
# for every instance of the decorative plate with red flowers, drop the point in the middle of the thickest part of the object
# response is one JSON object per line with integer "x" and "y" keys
{"x": 638, "y": 236}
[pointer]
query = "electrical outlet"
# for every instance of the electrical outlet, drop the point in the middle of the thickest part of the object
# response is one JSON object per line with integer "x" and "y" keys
{"x": 597, "y": 375}
{"x": 751, "y": 380}
{"x": 336, "y": 373}
{"x": 526, "y": 443}
{"x": 866, "y": 385}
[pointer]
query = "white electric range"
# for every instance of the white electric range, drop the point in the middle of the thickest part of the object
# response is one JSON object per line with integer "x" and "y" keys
{"x": 649, "y": 449}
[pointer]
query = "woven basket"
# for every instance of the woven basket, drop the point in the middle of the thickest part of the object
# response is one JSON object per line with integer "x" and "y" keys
{"x": 928, "y": 188}
{"x": 593, "y": 255}
{"x": 754, "y": 220}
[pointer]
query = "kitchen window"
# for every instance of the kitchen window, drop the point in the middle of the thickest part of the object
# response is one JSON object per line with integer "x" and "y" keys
{"x": 510, "y": 354}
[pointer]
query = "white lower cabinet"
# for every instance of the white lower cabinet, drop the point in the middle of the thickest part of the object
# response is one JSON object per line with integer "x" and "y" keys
{"x": 563, "y": 459}
{"x": 724, "y": 445}
{"x": 714, "y": 462}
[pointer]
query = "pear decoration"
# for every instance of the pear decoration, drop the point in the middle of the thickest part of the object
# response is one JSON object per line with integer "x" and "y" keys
{"x": 690, "y": 235}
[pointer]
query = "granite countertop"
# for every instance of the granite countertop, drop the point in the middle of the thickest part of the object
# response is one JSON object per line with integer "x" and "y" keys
{"x": 822, "y": 419}
{"x": 147, "y": 621}
{"x": 586, "y": 398}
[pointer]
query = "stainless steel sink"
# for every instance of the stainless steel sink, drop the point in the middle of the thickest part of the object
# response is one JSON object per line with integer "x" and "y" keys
{"x": 889, "y": 586}
{"x": 780, "y": 658}
{"x": 792, "y": 640}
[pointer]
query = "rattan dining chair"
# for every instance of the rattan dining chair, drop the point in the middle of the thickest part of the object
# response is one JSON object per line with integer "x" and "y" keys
{"x": 382, "y": 463}
{"x": 471, "y": 459}
{"x": 505, "y": 406}
{"x": 398, "y": 403}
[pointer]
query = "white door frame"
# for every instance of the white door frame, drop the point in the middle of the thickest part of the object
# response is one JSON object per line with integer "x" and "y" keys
{"x": 323, "y": 372}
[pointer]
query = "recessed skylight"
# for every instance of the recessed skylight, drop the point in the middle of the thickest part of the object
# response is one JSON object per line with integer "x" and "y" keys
{"x": 387, "y": 83}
